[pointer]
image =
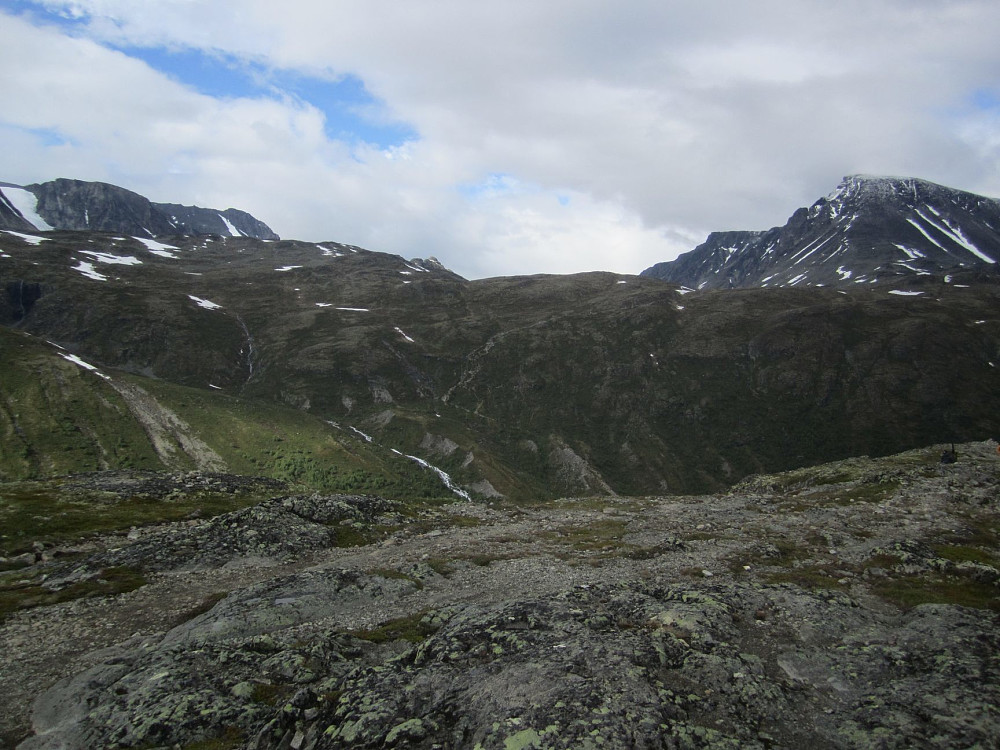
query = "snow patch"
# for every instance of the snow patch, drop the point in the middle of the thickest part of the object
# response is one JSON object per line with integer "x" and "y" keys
{"x": 233, "y": 231}
{"x": 287, "y": 268}
{"x": 31, "y": 239}
{"x": 208, "y": 305}
{"x": 901, "y": 293}
{"x": 400, "y": 332}
{"x": 115, "y": 260}
{"x": 353, "y": 309}
{"x": 844, "y": 273}
{"x": 27, "y": 205}
{"x": 85, "y": 365}
{"x": 157, "y": 248}
{"x": 911, "y": 252}
{"x": 88, "y": 270}
{"x": 324, "y": 304}
{"x": 924, "y": 233}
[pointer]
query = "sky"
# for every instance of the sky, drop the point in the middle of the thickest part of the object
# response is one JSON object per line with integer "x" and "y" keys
{"x": 504, "y": 138}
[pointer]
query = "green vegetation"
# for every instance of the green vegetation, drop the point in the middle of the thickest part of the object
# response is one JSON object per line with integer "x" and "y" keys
{"x": 231, "y": 737}
{"x": 863, "y": 492}
{"x": 57, "y": 418}
{"x": 965, "y": 553}
{"x": 396, "y": 575}
{"x": 414, "y": 628}
{"x": 910, "y": 591}
{"x": 271, "y": 694}
{"x": 266, "y": 439}
{"x": 811, "y": 577}
{"x": 17, "y": 594}
{"x": 199, "y": 609}
{"x": 50, "y": 512}
{"x": 603, "y": 536}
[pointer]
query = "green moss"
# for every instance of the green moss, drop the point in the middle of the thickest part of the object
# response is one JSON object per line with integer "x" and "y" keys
{"x": 201, "y": 608}
{"x": 907, "y": 592}
{"x": 601, "y": 536}
{"x": 965, "y": 553}
{"x": 864, "y": 492}
{"x": 396, "y": 575}
{"x": 441, "y": 565}
{"x": 807, "y": 577}
{"x": 231, "y": 737}
{"x": 16, "y": 595}
{"x": 270, "y": 694}
{"x": 49, "y": 512}
{"x": 413, "y": 628}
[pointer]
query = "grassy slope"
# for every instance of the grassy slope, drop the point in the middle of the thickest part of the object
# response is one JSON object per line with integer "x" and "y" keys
{"x": 58, "y": 418}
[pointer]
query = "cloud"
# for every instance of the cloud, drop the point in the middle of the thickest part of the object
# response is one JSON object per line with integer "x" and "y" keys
{"x": 624, "y": 132}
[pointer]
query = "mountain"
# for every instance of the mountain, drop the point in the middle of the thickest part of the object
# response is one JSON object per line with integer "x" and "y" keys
{"x": 525, "y": 387}
{"x": 98, "y": 206}
{"x": 891, "y": 231}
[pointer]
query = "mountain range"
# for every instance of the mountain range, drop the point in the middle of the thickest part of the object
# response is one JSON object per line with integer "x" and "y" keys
{"x": 870, "y": 230}
{"x": 100, "y": 207}
{"x": 268, "y": 494}
{"x": 521, "y": 387}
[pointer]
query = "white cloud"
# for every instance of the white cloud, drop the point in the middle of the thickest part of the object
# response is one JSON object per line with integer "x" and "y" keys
{"x": 659, "y": 120}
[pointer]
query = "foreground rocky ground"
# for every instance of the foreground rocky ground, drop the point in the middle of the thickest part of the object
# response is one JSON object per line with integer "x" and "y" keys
{"x": 851, "y": 605}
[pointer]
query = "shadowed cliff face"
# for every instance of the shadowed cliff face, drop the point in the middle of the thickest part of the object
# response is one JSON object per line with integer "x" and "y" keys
{"x": 100, "y": 207}
{"x": 564, "y": 385}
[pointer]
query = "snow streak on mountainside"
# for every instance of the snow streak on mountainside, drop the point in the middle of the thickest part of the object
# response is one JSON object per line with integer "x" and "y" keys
{"x": 884, "y": 230}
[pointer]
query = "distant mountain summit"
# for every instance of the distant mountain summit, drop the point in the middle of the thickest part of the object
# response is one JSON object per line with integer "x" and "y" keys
{"x": 98, "y": 206}
{"x": 869, "y": 230}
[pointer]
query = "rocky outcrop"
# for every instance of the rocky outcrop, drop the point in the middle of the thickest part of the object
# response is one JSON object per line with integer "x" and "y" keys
{"x": 100, "y": 207}
{"x": 276, "y": 531}
{"x": 75, "y": 204}
{"x": 228, "y": 223}
{"x": 851, "y": 605}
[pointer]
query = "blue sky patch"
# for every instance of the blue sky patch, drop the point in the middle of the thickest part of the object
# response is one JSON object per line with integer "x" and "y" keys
{"x": 352, "y": 114}
{"x": 987, "y": 100}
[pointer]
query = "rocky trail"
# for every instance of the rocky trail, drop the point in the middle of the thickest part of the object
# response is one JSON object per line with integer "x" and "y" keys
{"x": 849, "y": 605}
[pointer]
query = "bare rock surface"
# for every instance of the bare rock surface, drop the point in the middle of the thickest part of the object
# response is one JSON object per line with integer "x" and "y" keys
{"x": 850, "y": 605}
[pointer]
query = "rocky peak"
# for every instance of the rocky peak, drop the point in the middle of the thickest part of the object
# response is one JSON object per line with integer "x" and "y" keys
{"x": 99, "y": 206}
{"x": 869, "y": 230}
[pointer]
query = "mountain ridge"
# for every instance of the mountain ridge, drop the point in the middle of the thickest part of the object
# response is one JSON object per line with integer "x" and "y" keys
{"x": 869, "y": 230}
{"x": 523, "y": 386}
{"x": 99, "y": 206}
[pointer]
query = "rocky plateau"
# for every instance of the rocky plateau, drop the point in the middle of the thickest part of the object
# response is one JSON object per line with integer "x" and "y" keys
{"x": 848, "y": 605}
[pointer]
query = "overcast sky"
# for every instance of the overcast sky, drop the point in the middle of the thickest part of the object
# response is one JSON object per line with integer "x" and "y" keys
{"x": 505, "y": 137}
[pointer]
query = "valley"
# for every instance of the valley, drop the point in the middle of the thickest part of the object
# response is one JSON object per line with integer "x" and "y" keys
{"x": 261, "y": 493}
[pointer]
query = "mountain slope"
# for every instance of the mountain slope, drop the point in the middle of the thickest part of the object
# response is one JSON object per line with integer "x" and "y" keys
{"x": 98, "y": 206}
{"x": 61, "y": 415}
{"x": 870, "y": 230}
{"x": 524, "y": 386}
